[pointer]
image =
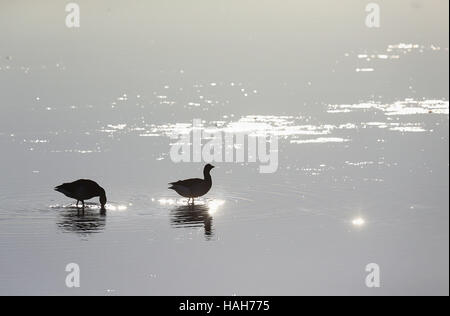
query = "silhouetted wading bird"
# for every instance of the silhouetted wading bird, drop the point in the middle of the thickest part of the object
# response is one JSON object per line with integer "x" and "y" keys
{"x": 82, "y": 190}
{"x": 193, "y": 188}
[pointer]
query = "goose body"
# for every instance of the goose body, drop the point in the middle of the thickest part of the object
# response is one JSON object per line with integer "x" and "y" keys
{"x": 82, "y": 190}
{"x": 193, "y": 188}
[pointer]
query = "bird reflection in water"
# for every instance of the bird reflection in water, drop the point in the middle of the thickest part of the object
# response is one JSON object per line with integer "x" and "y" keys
{"x": 72, "y": 220}
{"x": 193, "y": 216}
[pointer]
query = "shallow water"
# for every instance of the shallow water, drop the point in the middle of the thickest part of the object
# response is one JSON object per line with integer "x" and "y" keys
{"x": 363, "y": 155}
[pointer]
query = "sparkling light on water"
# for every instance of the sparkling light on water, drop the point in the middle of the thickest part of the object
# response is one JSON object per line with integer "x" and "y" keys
{"x": 358, "y": 221}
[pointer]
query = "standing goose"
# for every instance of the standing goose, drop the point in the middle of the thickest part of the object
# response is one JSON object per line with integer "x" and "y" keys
{"x": 193, "y": 188}
{"x": 82, "y": 190}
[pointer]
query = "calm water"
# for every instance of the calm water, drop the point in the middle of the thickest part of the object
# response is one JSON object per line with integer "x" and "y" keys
{"x": 362, "y": 118}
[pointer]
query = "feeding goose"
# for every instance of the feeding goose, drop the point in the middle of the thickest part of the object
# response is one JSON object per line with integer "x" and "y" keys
{"x": 193, "y": 188}
{"x": 82, "y": 190}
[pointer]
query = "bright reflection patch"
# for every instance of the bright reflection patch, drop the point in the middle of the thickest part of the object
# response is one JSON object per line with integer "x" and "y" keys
{"x": 119, "y": 208}
{"x": 213, "y": 205}
{"x": 359, "y": 221}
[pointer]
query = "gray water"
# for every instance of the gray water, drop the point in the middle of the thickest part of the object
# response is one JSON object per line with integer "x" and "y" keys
{"x": 362, "y": 120}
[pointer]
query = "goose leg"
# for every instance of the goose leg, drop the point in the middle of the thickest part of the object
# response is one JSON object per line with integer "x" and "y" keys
{"x": 78, "y": 203}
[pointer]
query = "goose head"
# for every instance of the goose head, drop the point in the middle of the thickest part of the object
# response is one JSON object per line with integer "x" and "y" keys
{"x": 206, "y": 171}
{"x": 208, "y": 168}
{"x": 103, "y": 199}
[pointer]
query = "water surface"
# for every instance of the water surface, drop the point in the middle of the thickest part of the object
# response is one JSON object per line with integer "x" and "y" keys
{"x": 362, "y": 121}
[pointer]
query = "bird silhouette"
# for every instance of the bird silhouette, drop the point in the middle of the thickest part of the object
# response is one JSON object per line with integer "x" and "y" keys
{"x": 193, "y": 188}
{"x": 82, "y": 190}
